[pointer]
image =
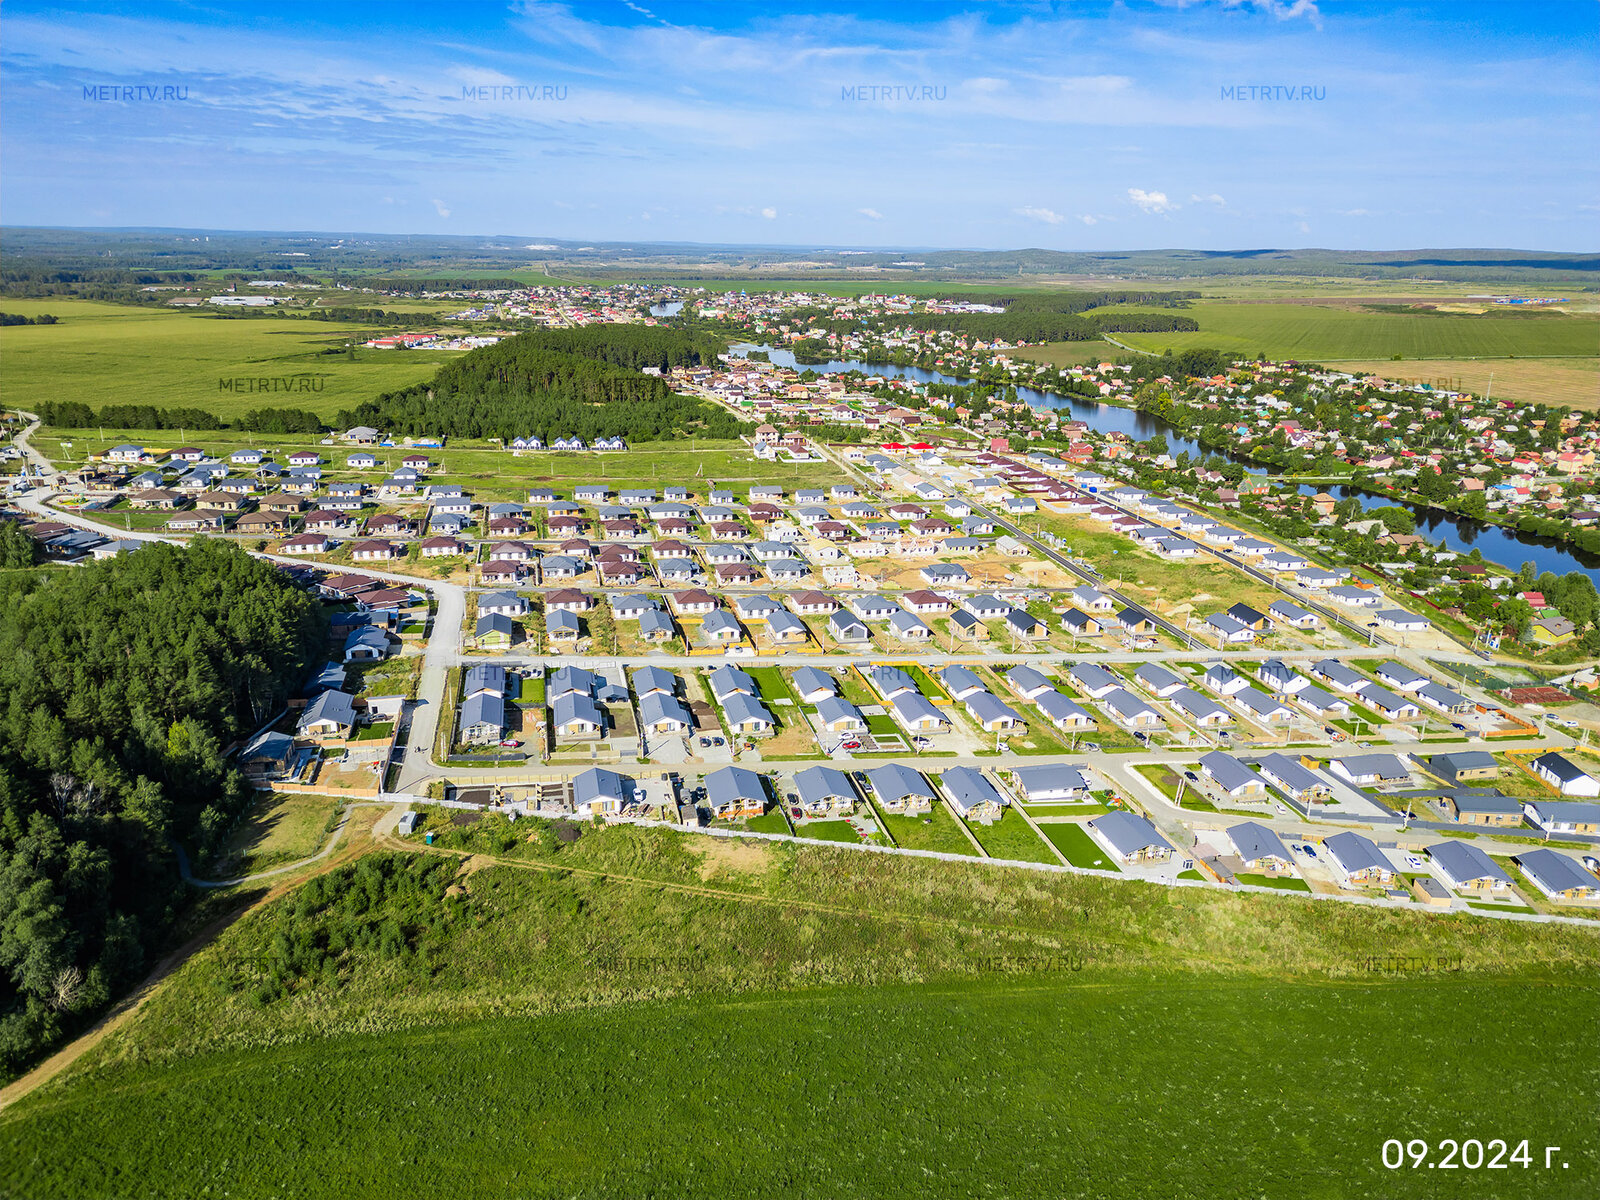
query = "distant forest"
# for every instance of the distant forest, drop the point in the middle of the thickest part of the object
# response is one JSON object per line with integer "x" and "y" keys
{"x": 559, "y": 383}
{"x": 122, "y": 683}
{"x": 1059, "y": 316}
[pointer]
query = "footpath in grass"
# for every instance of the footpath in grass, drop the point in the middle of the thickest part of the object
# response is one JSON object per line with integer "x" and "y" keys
{"x": 1081, "y": 849}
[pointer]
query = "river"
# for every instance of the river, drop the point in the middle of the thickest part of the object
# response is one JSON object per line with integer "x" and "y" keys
{"x": 1507, "y": 547}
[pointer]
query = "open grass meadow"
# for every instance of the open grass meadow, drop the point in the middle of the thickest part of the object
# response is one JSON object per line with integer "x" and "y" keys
{"x": 114, "y": 354}
{"x": 641, "y": 1012}
{"x": 1349, "y": 331}
{"x": 490, "y": 472}
{"x": 1571, "y": 381}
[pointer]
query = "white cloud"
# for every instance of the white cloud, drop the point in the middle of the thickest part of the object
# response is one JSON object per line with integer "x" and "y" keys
{"x": 1041, "y": 214}
{"x": 1087, "y": 219}
{"x": 872, "y": 213}
{"x": 438, "y": 207}
{"x": 1303, "y": 227}
{"x": 770, "y": 213}
{"x": 1150, "y": 202}
{"x": 1213, "y": 198}
{"x": 1355, "y": 212}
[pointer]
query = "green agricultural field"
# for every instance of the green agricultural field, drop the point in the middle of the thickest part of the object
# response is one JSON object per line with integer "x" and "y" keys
{"x": 640, "y": 1012}
{"x": 1070, "y": 354}
{"x": 1344, "y": 331}
{"x": 110, "y": 354}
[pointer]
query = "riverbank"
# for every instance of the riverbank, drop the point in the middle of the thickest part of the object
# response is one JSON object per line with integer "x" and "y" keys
{"x": 1505, "y": 545}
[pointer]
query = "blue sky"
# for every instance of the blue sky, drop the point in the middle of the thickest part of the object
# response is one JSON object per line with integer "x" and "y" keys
{"x": 1099, "y": 125}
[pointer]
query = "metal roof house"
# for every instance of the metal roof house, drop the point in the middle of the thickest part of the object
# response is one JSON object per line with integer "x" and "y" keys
{"x": 1051, "y": 783}
{"x": 1129, "y": 837}
{"x": 1565, "y": 776}
{"x": 1467, "y": 868}
{"x": 824, "y": 791}
{"x": 914, "y": 711}
{"x": 1064, "y": 713}
{"x": 1557, "y": 876}
{"x": 735, "y": 792}
{"x": 1370, "y": 769}
{"x": 971, "y": 794}
{"x": 1259, "y": 848}
{"x": 900, "y": 789}
{"x": 1358, "y": 860}
{"x": 1232, "y": 776}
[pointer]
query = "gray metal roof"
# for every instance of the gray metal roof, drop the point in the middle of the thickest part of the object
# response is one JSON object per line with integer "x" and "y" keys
{"x": 967, "y": 788}
{"x": 731, "y": 785}
{"x": 895, "y": 782}
{"x": 1229, "y": 773}
{"x": 1462, "y": 862}
{"x": 817, "y": 785}
{"x": 1254, "y": 840}
{"x": 1128, "y": 832}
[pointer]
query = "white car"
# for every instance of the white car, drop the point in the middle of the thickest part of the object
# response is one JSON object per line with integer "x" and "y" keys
{"x": 1414, "y": 863}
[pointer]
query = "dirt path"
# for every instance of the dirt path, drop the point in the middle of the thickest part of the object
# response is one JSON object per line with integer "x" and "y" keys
{"x": 128, "y": 1007}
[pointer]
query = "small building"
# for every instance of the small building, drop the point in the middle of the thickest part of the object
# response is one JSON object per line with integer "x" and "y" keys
{"x": 824, "y": 792}
{"x": 1358, "y": 860}
{"x": 900, "y": 789}
{"x": 1557, "y": 876}
{"x": 1464, "y": 765}
{"x": 1236, "y": 780}
{"x": 971, "y": 795}
{"x": 1259, "y": 848}
{"x": 1564, "y": 776}
{"x": 1129, "y": 838}
{"x": 1467, "y": 868}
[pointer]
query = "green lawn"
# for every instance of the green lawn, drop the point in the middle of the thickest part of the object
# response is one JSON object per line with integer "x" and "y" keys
{"x": 1012, "y": 837}
{"x": 1081, "y": 849}
{"x": 1286, "y": 883}
{"x": 829, "y": 831}
{"x": 942, "y": 834}
{"x": 771, "y": 821}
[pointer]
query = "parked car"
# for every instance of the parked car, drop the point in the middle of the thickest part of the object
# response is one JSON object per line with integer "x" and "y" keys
{"x": 1458, "y": 725}
{"x": 852, "y": 745}
{"x": 1191, "y": 777}
{"x": 1090, "y": 747}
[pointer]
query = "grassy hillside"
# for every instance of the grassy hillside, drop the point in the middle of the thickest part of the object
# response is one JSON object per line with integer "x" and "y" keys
{"x": 109, "y": 354}
{"x": 1321, "y": 333}
{"x": 638, "y": 1012}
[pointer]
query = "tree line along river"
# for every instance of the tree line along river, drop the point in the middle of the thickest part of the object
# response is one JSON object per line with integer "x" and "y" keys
{"x": 1508, "y": 547}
